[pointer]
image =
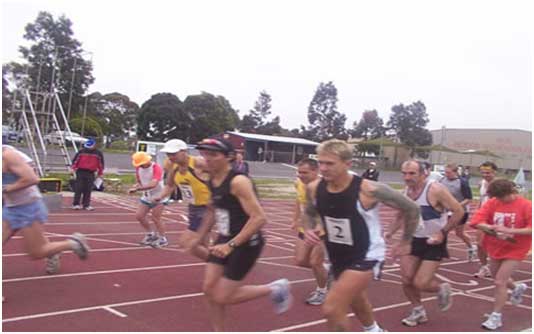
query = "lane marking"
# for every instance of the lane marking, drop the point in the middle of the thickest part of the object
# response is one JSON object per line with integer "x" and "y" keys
{"x": 112, "y": 310}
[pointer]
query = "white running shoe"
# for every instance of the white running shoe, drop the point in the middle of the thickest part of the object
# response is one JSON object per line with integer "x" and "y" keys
{"x": 317, "y": 297}
{"x": 471, "y": 253}
{"x": 81, "y": 248}
{"x": 52, "y": 264}
{"x": 444, "y": 297}
{"x": 516, "y": 297}
{"x": 416, "y": 317}
{"x": 281, "y": 295}
{"x": 494, "y": 321}
{"x": 484, "y": 271}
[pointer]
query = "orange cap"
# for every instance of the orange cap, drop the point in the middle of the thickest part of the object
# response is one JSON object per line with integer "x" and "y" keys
{"x": 140, "y": 158}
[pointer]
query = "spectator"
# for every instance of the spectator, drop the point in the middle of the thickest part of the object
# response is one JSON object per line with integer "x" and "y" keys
{"x": 85, "y": 163}
{"x": 239, "y": 165}
{"x": 371, "y": 173}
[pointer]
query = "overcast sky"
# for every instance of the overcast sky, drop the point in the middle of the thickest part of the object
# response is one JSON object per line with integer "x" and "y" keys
{"x": 469, "y": 62}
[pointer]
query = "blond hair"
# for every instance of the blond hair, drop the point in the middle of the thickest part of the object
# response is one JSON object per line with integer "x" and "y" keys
{"x": 336, "y": 147}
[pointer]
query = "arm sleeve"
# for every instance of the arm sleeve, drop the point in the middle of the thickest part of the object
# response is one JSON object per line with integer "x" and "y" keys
{"x": 100, "y": 163}
{"x": 75, "y": 160}
{"x": 158, "y": 173}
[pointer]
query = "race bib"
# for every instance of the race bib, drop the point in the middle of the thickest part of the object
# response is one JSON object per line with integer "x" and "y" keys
{"x": 222, "y": 219}
{"x": 187, "y": 193}
{"x": 339, "y": 230}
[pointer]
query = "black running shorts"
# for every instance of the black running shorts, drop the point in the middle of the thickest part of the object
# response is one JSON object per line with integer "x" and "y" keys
{"x": 428, "y": 252}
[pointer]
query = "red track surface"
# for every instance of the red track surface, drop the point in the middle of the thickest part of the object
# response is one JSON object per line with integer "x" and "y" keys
{"x": 126, "y": 287}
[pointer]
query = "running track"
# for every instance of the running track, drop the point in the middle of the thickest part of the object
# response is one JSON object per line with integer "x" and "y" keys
{"x": 125, "y": 287}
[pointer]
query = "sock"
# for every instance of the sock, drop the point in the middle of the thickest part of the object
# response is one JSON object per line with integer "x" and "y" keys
{"x": 323, "y": 290}
{"x": 373, "y": 328}
{"x": 419, "y": 308}
{"x": 496, "y": 314}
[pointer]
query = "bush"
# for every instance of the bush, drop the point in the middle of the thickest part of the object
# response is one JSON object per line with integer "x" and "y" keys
{"x": 119, "y": 145}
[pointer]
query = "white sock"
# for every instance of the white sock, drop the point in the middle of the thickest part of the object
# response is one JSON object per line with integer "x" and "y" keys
{"x": 323, "y": 290}
{"x": 496, "y": 314}
{"x": 419, "y": 308}
{"x": 373, "y": 328}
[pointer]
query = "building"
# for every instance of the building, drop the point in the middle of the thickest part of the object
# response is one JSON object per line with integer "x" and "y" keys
{"x": 256, "y": 147}
{"x": 510, "y": 149}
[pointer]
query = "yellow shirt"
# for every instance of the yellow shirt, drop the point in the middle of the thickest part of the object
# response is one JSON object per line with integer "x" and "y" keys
{"x": 301, "y": 192}
{"x": 194, "y": 190}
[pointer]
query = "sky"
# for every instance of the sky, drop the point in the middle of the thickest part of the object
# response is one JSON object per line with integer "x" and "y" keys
{"x": 469, "y": 62}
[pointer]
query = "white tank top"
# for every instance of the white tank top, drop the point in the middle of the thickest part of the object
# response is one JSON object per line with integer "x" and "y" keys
{"x": 431, "y": 220}
{"x": 22, "y": 196}
{"x": 145, "y": 175}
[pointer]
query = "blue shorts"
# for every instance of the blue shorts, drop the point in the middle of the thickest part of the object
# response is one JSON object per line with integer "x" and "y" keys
{"x": 196, "y": 212}
{"x": 152, "y": 205}
{"x": 25, "y": 215}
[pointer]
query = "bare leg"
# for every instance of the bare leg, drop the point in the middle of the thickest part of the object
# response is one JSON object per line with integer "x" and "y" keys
{"x": 409, "y": 266}
{"x": 212, "y": 274}
{"x": 425, "y": 279}
{"x": 141, "y": 216}
{"x": 481, "y": 252}
{"x": 316, "y": 261}
{"x": 38, "y": 246}
{"x": 460, "y": 233}
{"x": 156, "y": 218}
{"x": 502, "y": 271}
{"x": 7, "y": 233}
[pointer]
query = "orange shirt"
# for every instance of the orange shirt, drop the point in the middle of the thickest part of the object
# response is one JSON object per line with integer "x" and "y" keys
{"x": 515, "y": 214}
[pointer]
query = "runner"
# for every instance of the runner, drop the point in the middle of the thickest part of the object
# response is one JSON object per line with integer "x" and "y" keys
{"x": 460, "y": 190}
{"x": 24, "y": 210}
{"x": 188, "y": 173}
{"x": 506, "y": 221}
{"x": 429, "y": 245}
{"x": 488, "y": 171}
{"x": 149, "y": 176}
{"x": 239, "y": 217}
{"x": 348, "y": 207}
{"x": 309, "y": 256}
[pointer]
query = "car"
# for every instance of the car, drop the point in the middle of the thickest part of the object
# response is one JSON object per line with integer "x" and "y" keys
{"x": 11, "y": 135}
{"x": 55, "y": 137}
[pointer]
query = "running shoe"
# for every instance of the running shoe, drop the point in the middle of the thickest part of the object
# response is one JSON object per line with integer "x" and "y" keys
{"x": 81, "y": 248}
{"x": 416, "y": 317}
{"x": 471, "y": 253}
{"x": 76, "y": 207}
{"x": 89, "y": 208}
{"x": 149, "y": 239}
{"x": 484, "y": 271}
{"x": 444, "y": 297}
{"x": 317, "y": 297}
{"x": 281, "y": 295}
{"x": 494, "y": 321}
{"x": 516, "y": 297}
{"x": 160, "y": 242}
{"x": 52, "y": 264}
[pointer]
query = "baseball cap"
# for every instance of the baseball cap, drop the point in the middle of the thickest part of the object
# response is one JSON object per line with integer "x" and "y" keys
{"x": 89, "y": 143}
{"x": 217, "y": 145}
{"x": 140, "y": 158}
{"x": 173, "y": 146}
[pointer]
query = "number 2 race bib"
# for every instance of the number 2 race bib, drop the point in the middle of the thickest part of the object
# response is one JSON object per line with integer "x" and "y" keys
{"x": 339, "y": 230}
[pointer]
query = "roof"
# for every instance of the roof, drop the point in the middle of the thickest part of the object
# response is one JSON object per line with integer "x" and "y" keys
{"x": 278, "y": 139}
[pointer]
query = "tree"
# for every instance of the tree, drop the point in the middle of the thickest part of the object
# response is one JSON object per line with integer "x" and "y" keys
{"x": 53, "y": 47}
{"x": 256, "y": 121}
{"x": 162, "y": 117}
{"x": 370, "y": 126}
{"x": 6, "y": 95}
{"x": 408, "y": 125}
{"x": 116, "y": 114}
{"x": 325, "y": 121}
{"x": 210, "y": 115}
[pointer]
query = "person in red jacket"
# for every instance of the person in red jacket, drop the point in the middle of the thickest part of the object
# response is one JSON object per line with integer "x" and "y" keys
{"x": 506, "y": 220}
{"x": 85, "y": 163}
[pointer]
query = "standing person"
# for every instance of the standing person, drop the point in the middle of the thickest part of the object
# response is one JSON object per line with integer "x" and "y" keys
{"x": 236, "y": 211}
{"x": 239, "y": 165}
{"x": 149, "y": 177}
{"x": 429, "y": 245}
{"x": 488, "y": 170}
{"x": 85, "y": 163}
{"x": 371, "y": 173}
{"x": 188, "y": 173}
{"x": 24, "y": 210}
{"x": 506, "y": 221}
{"x": 348, "y": 208}
{"x": 430, "y": 174}
{"x": 460, "y": 190}
{"x": 306, "y": 255}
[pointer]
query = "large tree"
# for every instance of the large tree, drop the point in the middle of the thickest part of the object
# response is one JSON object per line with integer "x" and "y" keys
{"x": 6, "y": 96}
{"x": 55, "y": 58}
{"x": 408, "y": 124}
{"x": 370, "y": 126}
{"x": 257, "y": 120}
{"x": 162, "y": 117}
{"x": 210, "y": 115}
{"x": 325, "y": 122}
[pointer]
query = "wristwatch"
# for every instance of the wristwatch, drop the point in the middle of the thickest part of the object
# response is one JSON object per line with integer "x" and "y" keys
{"x": 232, "y": 244}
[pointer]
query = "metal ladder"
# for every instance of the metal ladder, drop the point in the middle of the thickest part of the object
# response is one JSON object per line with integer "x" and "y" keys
{"x": 43, "y": 159}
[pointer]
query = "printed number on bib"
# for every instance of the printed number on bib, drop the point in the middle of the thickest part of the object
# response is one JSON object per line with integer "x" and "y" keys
{"x": 339, "y": 230}
{"x": 222, "y": 219}
{"x": 187, "y": 193}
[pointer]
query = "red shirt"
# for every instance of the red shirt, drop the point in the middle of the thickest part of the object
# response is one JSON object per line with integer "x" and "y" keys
{"x": 515, "y": 214}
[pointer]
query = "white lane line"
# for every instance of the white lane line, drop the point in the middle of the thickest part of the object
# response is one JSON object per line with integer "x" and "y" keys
{"x": 117, "y": 313}
{"x": 290, "y": 166}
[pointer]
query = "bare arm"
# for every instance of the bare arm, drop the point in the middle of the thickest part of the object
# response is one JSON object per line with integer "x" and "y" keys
{"x": 16, "y": 165}
{"x": 447, "y": 201}
{"x": 409, "y": 210}
{"x": 169, "y": 187}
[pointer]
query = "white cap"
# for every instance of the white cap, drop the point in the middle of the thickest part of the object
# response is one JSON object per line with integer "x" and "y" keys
{"x": 173, "y": 146}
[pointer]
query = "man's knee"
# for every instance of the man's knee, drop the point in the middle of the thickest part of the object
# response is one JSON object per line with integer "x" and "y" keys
{"x": 421, "y": 282}
{"x": 302, "y": 261}
{"x": 330, "y": 308}
{"x": 37, "y": 253}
